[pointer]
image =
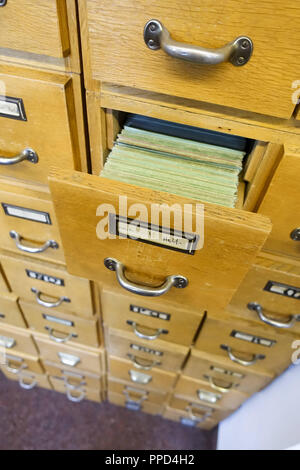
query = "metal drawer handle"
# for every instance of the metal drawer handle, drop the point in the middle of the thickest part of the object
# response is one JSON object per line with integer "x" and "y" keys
{"x": 138, "y": 395}
{"x": 58, "y": 339}
{"x": 146, "y": 365}
{"x": 277, "y": 324}
{"x": 218, "y": 387}
{"x": 7, "y": 343}
{"x": 141, "y": 335}
{"x": 191, "y": 408}
{"x": 238, "y": 52}
{"x": 242, "y": 362}
{"x": 28, "y": 249}
{"x": 25, "y": 385}
{"x": 27, "y": 154}
{"x": 69, "y": 359}
{"x": 295, "y": 235}
{"x": 171, "y": 281}
{"x": 43, "y": 303}
{"x": 75, "y": 399}
{"x": 71, "y": 386}
{"x": 139, "y": 377}
{"x": 14, "y": 370}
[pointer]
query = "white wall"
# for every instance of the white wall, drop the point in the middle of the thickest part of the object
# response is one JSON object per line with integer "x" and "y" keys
{"x": 268, "y": 420}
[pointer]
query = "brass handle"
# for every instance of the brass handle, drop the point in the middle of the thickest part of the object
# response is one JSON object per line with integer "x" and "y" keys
{"x": 242, "y": 362}
{"x": 57, "y": 339}
{"x": 28, "y": 249}
{"x": 238, "y": 51}
{"x": 277, "y": 324}
{"x": 171, "y": 281}
{"x": 44, "y": 303}
{"x": 218, "y": 387}
{"x": 27, "y": 386}
{"x": 27, "y": 154}
{"x": 141, "y": 335}
{"x": 138, "y": 363}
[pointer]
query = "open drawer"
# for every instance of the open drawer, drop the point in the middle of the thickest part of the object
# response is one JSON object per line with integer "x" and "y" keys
{"x": 200, "y": 274}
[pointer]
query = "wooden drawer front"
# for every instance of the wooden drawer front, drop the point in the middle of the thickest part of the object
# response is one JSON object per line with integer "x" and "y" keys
{"x": 136, "y": 392}
{"x": 159, "y": 355}
{"x": 252, "y": 345}
{"x": 29, "y": 26}
{"x": 197, "y": 411}
{"x": 129, "y": 62}
{"x": 42, "y": 118}
{"x": 61, "y": 328}
{"x": 270, "y": 293}
{"x": 281, "y": 204}
{"x": 75, "y": 395}
{"x": 154, "y": 378}
{"x": 78, "y": 378}
{"x": 28, "y": 380}
{"x": 10, "y": 312}
{"x": 184, "y": 418}
{"x": 28, "y": 223}
{"x": 87, "y": 359}
{"x": 146, "y": 407}
{"x": 233, "y": 237}
{"x": 17, "y": 363}
{"x": 52, "y": 286}
{"x": 223, "y": 375}
{"x": 3, "y": 284}
{"x": 149, "y": 319}
{"x": 201, "y": 392}
{"x": 14, "y": 339}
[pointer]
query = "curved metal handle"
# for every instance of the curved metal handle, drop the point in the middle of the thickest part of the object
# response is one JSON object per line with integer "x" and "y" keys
{"x": 138, "y": 363}
{"x": 140, "y": 395}
{"x": 57, "y": 339}
{"x": 139, "y": 377}
{"x": 27, "y": 154}
{"x": 218, "y": 387}
{"x": 207, "y": 414}
{"x": 71, "y": 386}
{"x": 28, "y": 249}
{"x": 43, "y": 303}
{"x": 238, "y": 51}
{"x": 141, "y": 335}
{"x": 242, "y": 362}
{"x": 171, "y": 281}
{"x": 277, "y": 324}
{"x": 8, "y": 366}
{"x": 75, "y": 399}
{"x": 27, "y": 386}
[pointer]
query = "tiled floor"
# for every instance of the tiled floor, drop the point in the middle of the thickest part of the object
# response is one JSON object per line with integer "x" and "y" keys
{"x": 42, "y": 419}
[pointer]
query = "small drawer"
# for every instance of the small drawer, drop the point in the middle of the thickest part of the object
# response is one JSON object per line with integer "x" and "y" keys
{"x": 270, "y": 294}
{"x": 159, "y": 354}
{"x": 41, "y": 123}
{"x": 10, "y": 312}
{"x": 154, "y": 378}
{"x": 28, "y": 222}
{"x": 48, "y": 286}
{"x": 136, "y": 393}
{"x": 223, "y": 375}
{"x": 13, "y": 339}
{"x": 201, "y": 392}
{"x": 28, "y": 380}
{"x": 198, "y": 412}
{"x": 75, "y": 395}
{"x": 17, "y": 363}
{"x": 149, "y": 319}
{"x": 146, "y": 407}
{"x": 195, "y": 276}
{"x": 281, "y": 204}
{"x": 73, "y": 378}
{"x": 3, "y": 283}
{"x": 82, "y": 358}
{"x": 61, "y": 328}
{"x": 185, "y": 64}
{"x": 184, "y": 418}
{"x": 246, "y": 343}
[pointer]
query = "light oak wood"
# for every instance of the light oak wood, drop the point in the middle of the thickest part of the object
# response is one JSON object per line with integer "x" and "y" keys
{"x": 254, "y": 289}
{"x": 219, "y": 328}
{"x": 89, "y": 359}
{"x": 232, "y": 239}
{"x": 253, "y": 163}
{"x": 118, "y": 309}
{"x": 136, "y": 392}
{"x": 281, "y": 204}
{"x": 54, "y": 127}
{"x": 29, "y": 378}
{"x": 34, "y": 233}
{"x": 128, "y": 61}
{"x": 165, "y": 356}
{"x": 74, "y": 378}
{"x": 59, "y": 326}
{"x": 20, "y": 339}
{"x": 21, "y": 362}
{"x": 89, "y": 394}
{"x": 193, "y": 409}
{"x": 58, "y": 283}
{"x": 183, "y": 418}
{"x": 10, "y": 312}
{"x": 146, "y": 407}
{"x": 191, "y": 388}
{"x": 41, "y": 34}
{"x": 224, "y": 373}
{"x": 3, "y": 282}
{"x": 157, "y": 379}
